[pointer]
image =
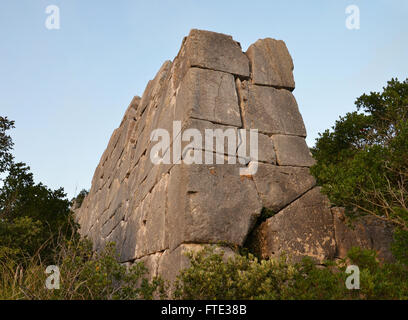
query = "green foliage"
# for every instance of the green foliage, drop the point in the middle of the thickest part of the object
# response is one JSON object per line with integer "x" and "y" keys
{"x": 77, "y": 201}
{"x": 400, "y": 245}
{"x": 32, "y": 216}
{"x": 362, "y": 164}
{"x": 85, "y": 275}
{"x": 212, "y": 276}
{"x": 19, "y": 237}
{"x": 37, "y": 229}
{"x": 387, "y": 281}
{"x": 6, "y": 144}
{"x": 265, "y": 214}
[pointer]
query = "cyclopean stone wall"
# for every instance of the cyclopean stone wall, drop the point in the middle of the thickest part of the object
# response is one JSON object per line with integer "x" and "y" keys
{"x": 154, "y": 213}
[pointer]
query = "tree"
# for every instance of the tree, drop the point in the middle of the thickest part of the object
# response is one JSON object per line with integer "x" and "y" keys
{"x": 362, "y": 164}
{"x": 76, "y": 202}
{"x": 6, "y": 144}
{"x": 32, "y": 216}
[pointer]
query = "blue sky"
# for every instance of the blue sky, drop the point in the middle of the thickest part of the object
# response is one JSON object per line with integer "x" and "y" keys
{"x": 67, "y": 89}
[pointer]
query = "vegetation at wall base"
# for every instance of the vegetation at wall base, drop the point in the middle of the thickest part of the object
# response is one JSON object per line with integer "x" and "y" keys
{"x": 212, "y": 276}
{"x": 84, "y": 275}
{"x": 362, "y": 165}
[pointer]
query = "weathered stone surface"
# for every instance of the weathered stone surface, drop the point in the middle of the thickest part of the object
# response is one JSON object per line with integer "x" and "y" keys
{"x": 210, "y": 204}
{"x": 304, "y": 228}
{"x": 278, "y": 186}
{"x": 214, "y": 138}
{"x": 271, "y": 64}
{"x": 153, "y": 89}
{"x": 208, "y": 95}
{"x": 366, "y": 232}
{"x": 154, "y": 212}
{"x": 210, "y": 50}
{"x": 117, "y": 236}
{"x": 131, "y": 112}
{"x": 151, "y": 263}
{"x": 145, "y": 232}
{"x": 266, "y": 151}
{"x": 113, "y": 217}
{"x": 270, "y": 110}
{"x": 292, "y": 151}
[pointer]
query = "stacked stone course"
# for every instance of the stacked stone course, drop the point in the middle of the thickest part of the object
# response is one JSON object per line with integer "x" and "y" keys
{"x": 155, "y": 213}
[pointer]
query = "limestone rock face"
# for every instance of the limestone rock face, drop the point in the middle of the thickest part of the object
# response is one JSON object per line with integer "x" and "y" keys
{"x": 209, "y": 95}
{"x": 292, "y": 151}
{"x": 156, "y": 210}
{"x": 213, "y": 51}
{"x": 304, "y": 228}
{"x": 270, "y": 110}
{"x": 271, "y": 64}
{"x": 210, "y": 204}
{"x": 365, "y": 232}
{"x": 278, "y": 186}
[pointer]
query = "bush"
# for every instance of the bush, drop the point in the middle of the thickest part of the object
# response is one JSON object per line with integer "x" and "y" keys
{"x": 211, "y": 276}
{"x": 19, "y": 238}
{"x": 84, "y": 275}
{"x": 32, "y": 217}
{"x": 76, "y": 202}
{"x": 37, "y": 229}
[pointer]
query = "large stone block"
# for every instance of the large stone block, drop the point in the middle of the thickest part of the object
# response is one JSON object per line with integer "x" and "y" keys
{"x": 112, "y": 220}
{"x": 213, "y": 138}
{"x": 365, "y": 232}
{"x": 210, "y": 204}
{"x": 210, "y": 50}
{"x": 266, "y": 152}
{"x": 304, "y": 228}
{"x": 278, "y": 186}
{"x": 145, "y": 230}
{"x": 117, "y": 236}
{"x": 270, "y": 110}
{"x": 271, "y": 64}
{"x": 131, "y": 111}
{"x": 292, "y": 151}
{"x": 153, "y": 88}
{"x": 151, "y": 263}
{"x": 208, "y": 95}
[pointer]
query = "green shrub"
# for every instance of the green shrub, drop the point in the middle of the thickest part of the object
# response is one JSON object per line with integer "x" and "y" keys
{"x": 84, "y": 275}
{"x": 76, "y": 202}
{"x": 211, "y": 276}
{"x": 400, "y": 246}
{"x": 18, "y": 237}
